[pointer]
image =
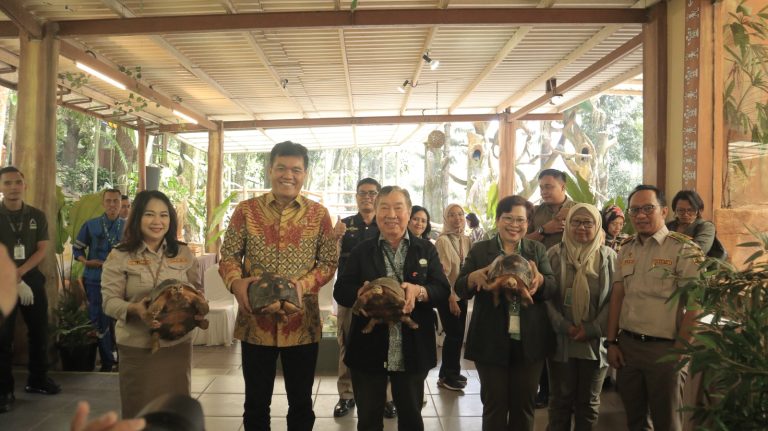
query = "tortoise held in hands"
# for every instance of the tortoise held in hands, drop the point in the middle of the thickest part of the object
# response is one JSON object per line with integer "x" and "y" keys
{"x": 512, "y": 274}
{"x": 272, "y": 294}
{"x": 171, "y": 311}
{"x": 382, "y": 300}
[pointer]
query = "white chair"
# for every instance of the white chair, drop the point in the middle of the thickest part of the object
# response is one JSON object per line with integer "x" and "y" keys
{"x": 221, "y": 316}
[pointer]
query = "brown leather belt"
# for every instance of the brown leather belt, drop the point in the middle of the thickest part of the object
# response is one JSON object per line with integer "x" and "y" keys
{"x": 645, "y": 338}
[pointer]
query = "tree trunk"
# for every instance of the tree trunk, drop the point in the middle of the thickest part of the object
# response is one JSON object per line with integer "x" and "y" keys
{"x": 128, "y": 148}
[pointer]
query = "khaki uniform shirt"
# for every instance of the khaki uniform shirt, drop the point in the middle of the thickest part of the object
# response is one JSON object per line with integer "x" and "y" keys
{"x": 452, "y": 250}
{"x": 129, "y": 277}
{"x": 542, "y": 214}
{"x": 295, "y": 242}
{"x": 647, "y": 269}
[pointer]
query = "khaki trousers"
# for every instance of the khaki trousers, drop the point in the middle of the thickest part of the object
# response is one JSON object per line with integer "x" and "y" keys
{"x": 648, "y": 386}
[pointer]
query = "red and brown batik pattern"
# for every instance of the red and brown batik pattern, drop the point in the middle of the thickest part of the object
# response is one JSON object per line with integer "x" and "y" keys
{"x": 296, "y": 242}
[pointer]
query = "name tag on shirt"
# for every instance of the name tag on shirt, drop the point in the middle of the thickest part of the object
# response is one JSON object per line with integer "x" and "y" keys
{"x": 19, "y": 253}
{"x": 178, "y": 260}
{"x": 138, "y": 262}
{"x": 657, "y": 262}
{"x": 628, "y": 262}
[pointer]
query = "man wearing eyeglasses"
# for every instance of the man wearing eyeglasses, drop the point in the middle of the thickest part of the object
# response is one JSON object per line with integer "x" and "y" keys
{"x": 352, "y": 231}
{"x": 644, "y": 324}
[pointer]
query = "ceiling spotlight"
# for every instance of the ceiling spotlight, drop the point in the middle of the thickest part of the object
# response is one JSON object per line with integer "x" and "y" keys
{"x": 551, "y": 88}
{"x": 433, "y": 64}
{"x": 405, "y": 85}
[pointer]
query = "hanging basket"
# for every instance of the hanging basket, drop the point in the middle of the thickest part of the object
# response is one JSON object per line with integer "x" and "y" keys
{"x": 436, "y": 139}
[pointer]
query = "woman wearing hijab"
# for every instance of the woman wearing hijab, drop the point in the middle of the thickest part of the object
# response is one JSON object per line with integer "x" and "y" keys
{"x": 583, "y": 267}
{"x": 613, "y": 224}
{"x": 452, "y": 247}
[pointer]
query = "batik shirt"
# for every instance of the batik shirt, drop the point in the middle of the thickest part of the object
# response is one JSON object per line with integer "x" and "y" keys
{"x": 295, "y": 242}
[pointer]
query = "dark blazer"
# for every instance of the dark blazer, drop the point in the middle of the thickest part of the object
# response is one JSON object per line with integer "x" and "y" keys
{"x": 487, "y": 337}
{"x": 701, "y": 231}
{"x": 366, "y": 263}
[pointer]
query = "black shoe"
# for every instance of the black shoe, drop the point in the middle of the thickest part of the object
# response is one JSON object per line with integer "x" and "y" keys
{"x": 343, "y": 407}
{"x": 461, "y": 378}
{"x": 6, "y": 402}
{"x": 106, "y": 368}
{"x": 46, "y": 387}
{"x": 451, "y": 384}
{"x": 390, "y": 411}
{"x": 541, "y": 400}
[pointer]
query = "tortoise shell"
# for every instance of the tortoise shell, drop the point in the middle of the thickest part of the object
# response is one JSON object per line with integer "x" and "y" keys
{"x": 272, "y": 293}
{"x": 382, "y": 300}
{"x": 511, "y": 265}
{"x": 172, "y": 307}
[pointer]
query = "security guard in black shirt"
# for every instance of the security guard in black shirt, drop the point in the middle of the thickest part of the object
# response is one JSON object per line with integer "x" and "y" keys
{"x": 24, "y": 233}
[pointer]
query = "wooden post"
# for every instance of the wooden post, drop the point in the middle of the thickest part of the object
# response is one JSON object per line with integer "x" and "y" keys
{"x": 213, "y": 188}
{"x": 34, "y": 151}
{"x": 141, "y": 159}
{"x": 507, "y": 137}
{"x": 705, "y": 149}
{"x": 655, "y": 97}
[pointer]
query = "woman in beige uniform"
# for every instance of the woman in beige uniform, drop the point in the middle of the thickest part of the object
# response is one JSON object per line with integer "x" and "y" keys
{"x": 149, "y": 254}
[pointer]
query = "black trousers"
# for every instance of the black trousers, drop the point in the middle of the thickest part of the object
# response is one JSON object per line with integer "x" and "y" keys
{"x": 36, "y": 318}
{"x": 259, "y": 370}
{"x": 371, "y": 393}
{"x": 508, "y": 394}
{"x": 454, "y": 338}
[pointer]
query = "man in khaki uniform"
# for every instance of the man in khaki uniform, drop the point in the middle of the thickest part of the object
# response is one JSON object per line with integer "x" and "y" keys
{"x": 650, "y": 323}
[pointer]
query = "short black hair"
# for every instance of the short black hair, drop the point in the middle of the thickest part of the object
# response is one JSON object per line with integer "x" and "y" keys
{"x": 660, "y": 198}
{"x": 691, "y": 196}
{"x": 473, "y": 220}
{"x": 417, "y": 208}
{"x": 288, "y": 148}
{"x": 10, "y": 169}
{"x": 124, "y": 197}
{"x": 505, "y": 205}
{"x": 370, "y": 181}
{"x": 554, "y": 173}
{"x": 104, "y": 193}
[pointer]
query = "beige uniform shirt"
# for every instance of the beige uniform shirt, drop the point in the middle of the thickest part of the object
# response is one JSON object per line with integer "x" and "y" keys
{"x": 647, "y": 269}
{"x": 542, "y": 214}
{"x": 129, "y": 277}
{"x": 452, "y": 249}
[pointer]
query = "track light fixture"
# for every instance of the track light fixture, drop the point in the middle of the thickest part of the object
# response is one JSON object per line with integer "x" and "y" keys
{"x": 433, "y": 64}
{"x": 405, "y": 85}
{"x": 555, "y": 97}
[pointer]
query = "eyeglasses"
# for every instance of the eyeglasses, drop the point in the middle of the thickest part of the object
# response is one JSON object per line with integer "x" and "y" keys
{"x": 684, "y": 211}
{"x": 588, "y": 224}
{"x": 514, "y": 221}
{"x": 646, "y": 209}
{"x": 370, "y": 194}
{"x": 459, "y": 214}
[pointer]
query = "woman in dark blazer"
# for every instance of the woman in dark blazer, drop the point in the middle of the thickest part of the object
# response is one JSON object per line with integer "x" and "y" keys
{"x": 687, "y": 206}
{"x": 508, "y": 341}
{"x": 402, "y": 354}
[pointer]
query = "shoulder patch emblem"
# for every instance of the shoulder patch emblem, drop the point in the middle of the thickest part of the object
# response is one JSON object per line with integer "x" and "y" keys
{"x": 681, "y": 237}
{"x": 628, "y": 239}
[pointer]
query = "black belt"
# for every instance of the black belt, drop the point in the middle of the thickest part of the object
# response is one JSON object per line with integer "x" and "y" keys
{"x": 645, "y": 338}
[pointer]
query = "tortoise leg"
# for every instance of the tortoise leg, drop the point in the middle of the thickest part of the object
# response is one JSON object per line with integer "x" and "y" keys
{"x": 155, "y": 342}
{"x": 369, "y": 327}
{"x": 408, "y": 321}
{"x": 271, "y": 308}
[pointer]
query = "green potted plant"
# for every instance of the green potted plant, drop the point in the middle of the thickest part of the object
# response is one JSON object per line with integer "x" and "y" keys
{"x": 75, "y": 335}
{"x": 730, "y": 350}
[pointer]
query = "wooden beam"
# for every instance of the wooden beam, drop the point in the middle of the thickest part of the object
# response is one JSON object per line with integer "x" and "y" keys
{"x": 361, "y": 18}
{"x": 507, "y": 138}
{"x": 417, "y": 72}
{"x": 585, "y": 74}
{"x": 77, "y": 55}
{"x": 655, "y": 97}
{"x": 359, "y": 121}
{"x": 706, "y": 156}
{"x": 141, "y": 159}
{"x": 632, "y": 73}
{"x": 213, "y": 187}
{"x": 14, "y": 10}
{"x": 347, "y": 79}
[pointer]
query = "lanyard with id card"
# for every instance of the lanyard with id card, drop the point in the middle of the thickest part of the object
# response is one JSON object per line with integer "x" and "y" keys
{"x": 19, "y": 251}
{"x": 514, "y": 318}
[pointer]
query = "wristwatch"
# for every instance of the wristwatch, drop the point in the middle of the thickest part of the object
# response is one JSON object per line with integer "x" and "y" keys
{"x": 609, "y": 343}
{"x": 540, "y": 231}
{"x": 422, "y": 296}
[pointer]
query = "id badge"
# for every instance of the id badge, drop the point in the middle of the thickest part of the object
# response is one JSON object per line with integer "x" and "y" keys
{"x": 514, "y": 326}
{"x": 19, "y": 253}
{"x": 568, "y": 300}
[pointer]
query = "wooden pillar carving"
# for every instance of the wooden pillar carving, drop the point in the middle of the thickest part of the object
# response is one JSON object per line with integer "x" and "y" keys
{"x": 507, "y": 137}
{"x": 655, "y": 96}
{"x": 213, "y": 188}
{"x": 34, "y": 151}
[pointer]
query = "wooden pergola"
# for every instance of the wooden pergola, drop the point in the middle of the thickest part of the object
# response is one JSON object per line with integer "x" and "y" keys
{"x": 233, "y": 65}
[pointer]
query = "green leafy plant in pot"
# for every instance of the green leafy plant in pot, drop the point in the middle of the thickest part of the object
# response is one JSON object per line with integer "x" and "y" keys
{"x": 75, "y": 335}
{"x": 730, "y": 348}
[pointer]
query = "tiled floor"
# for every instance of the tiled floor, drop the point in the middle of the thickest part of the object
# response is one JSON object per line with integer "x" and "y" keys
{"x": 218, "y": 385}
